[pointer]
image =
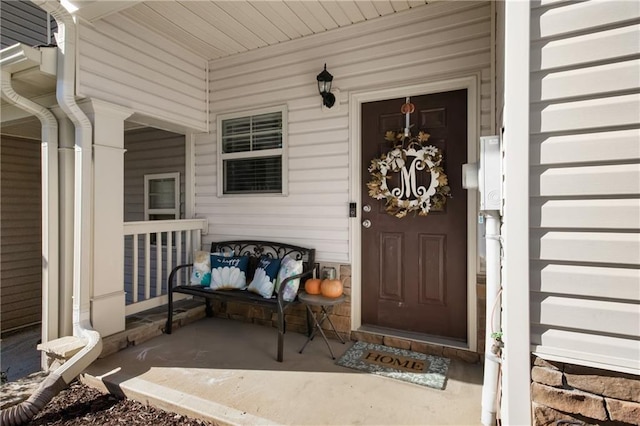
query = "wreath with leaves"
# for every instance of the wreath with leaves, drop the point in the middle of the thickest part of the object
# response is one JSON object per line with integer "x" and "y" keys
{"x": 425, "y": 157}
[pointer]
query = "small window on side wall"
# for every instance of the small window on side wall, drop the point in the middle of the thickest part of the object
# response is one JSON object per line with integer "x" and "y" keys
{"x": 252, "y": 147}
{"x": 161, "y": 198}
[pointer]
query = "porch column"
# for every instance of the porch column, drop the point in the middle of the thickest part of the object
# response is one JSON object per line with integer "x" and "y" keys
{"x": 108, "y": 296}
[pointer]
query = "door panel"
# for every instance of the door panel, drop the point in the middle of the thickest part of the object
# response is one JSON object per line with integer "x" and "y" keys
{"x": 431, "y": 280}
{"x": 391, "y": 266}
{"x": 414, "y": 269}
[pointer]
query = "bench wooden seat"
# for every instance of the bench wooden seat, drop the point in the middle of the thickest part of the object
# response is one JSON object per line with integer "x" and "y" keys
{"x": 253, "y": 249}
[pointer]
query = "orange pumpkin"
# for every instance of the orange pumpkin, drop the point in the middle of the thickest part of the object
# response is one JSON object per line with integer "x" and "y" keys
{"x": 331, "y": 288}
{"x": 312, "y": 286}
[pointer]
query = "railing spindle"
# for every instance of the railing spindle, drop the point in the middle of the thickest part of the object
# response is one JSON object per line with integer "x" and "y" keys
{"x": 179, "y": 259}
{"x": 169, "y": 262}
{"x": 189, "y": 248}
{"x": 135, "y": 268}
{"x": 147, "y": 266}
{"x": 158, "y": 262}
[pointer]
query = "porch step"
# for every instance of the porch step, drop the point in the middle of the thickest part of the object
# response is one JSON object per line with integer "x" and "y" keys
{"x": 60, "y": 350}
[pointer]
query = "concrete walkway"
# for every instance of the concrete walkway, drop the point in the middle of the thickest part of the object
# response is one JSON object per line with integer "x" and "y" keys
{"x": 18, "y": 354}
{"x": 225, "y": 371}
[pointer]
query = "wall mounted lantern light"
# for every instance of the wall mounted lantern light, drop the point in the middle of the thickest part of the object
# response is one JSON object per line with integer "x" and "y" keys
{"x": 324, "y": 87}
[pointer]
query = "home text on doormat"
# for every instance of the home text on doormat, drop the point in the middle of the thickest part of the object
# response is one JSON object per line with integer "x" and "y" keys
{"x": 400, "y": 364}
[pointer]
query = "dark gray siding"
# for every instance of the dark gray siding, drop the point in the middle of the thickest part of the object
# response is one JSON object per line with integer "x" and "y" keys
{"x": 20, "y": 233}
{"x": 23, "y": 22}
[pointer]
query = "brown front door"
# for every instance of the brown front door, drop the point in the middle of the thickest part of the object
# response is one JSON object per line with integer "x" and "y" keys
{"x": 414, "y": 269}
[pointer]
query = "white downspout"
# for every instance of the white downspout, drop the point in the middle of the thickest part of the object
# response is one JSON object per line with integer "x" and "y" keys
{"x": 50, "y": 225}
{"x": 83, "y": 196}
{"x": 491, "y": 361}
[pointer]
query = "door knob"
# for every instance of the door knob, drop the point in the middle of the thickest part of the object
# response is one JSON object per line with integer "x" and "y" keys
{"x": 366, "y": 208}
{"x": 366, "y": 223}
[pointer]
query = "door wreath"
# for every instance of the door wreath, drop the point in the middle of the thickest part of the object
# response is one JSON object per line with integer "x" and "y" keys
{"x": 416, "y": 157}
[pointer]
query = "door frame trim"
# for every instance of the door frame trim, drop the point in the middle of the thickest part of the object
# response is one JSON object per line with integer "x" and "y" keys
{"x": 356, "y": 99}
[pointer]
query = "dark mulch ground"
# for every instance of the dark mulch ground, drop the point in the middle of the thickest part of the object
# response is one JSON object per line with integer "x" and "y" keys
{"x": 82, "y": 405}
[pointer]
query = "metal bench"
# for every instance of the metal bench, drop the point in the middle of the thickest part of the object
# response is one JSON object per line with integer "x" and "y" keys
{"x": 253, "y": 249}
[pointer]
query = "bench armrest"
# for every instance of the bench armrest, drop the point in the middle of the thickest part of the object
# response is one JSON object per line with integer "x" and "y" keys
{"x": 173, "y": 273}
{"x": 284, "y": 283}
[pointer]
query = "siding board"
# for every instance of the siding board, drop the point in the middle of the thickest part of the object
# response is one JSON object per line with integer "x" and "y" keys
{"x": 586, "y": 281}
{"x": 610, "y": 45}
{"x": 590, "y": 247}
{"x": 580, "y": 347}
{"x": 586, "y": 114}
{"x": 595, "y": 214}
{"x": 619, "y": 76}
{"x": 584, "y": 16}
{"x": 589, "y": 180}
{"x": 586, "y": 147}
{"x": 583, "y": 314}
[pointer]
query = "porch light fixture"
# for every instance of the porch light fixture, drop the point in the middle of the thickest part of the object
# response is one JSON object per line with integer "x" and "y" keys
{"x": 324, "y": 87}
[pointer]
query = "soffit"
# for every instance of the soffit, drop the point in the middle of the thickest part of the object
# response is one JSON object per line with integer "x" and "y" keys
{"x": 216, "y": 29}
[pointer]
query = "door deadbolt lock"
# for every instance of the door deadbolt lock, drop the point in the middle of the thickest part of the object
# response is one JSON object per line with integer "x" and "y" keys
{"x": 366, "y": 223}
{"x": 367, "y": 208}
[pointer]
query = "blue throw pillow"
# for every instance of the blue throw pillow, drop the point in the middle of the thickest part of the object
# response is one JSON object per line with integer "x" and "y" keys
{"x": 229, "y": 272}
{"x": 264, "y": 279}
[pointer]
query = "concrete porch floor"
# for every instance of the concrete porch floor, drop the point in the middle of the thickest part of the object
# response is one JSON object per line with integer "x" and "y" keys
{"x": 225, "y": 371}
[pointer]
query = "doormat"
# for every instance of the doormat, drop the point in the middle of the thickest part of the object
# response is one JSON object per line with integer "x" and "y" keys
{"x": 400, "y": 364}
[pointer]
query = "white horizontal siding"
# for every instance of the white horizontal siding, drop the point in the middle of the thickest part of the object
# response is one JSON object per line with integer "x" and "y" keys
{"x": 598, "y": 350}
{"x": 127, "y": 64}
{"x": 588, "y": 247}
{"x": 586, "y": 147}
{"x": 586, "y": 281}
{"x": 586, "y": 314}
{"x": 435, "y": 42}
{"x": 586, "y": 114}
{"x": 588, "y": 180}
{"x": 572, "y": 51}
{"x": 584, "y": 16}
{"x": 593, "y": 214}
{"x": 619, "y": 76}
{"x": 585, "y": 183}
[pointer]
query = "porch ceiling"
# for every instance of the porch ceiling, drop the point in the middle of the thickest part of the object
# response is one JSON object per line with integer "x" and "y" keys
{"x": 215, "y": 29}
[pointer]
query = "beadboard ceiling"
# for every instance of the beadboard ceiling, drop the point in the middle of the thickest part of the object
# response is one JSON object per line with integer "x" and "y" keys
{"x": 216, "y": 29}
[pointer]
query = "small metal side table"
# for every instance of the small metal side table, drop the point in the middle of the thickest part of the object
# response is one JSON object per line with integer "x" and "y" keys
{"x": 325, "y": 304}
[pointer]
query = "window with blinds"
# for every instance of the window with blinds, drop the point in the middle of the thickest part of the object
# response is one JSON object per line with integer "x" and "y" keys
{"x": 252, "y": 152}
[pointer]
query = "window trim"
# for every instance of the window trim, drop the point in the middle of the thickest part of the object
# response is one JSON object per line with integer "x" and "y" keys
{"x": 282, "y": 152}
{"x": 156, "y": 176}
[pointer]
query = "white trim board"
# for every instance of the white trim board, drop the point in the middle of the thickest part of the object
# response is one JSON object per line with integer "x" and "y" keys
{"x": 471, "y": 83}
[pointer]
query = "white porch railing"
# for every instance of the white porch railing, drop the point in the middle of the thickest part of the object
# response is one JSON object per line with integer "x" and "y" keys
{"x": 152, "y": 249}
